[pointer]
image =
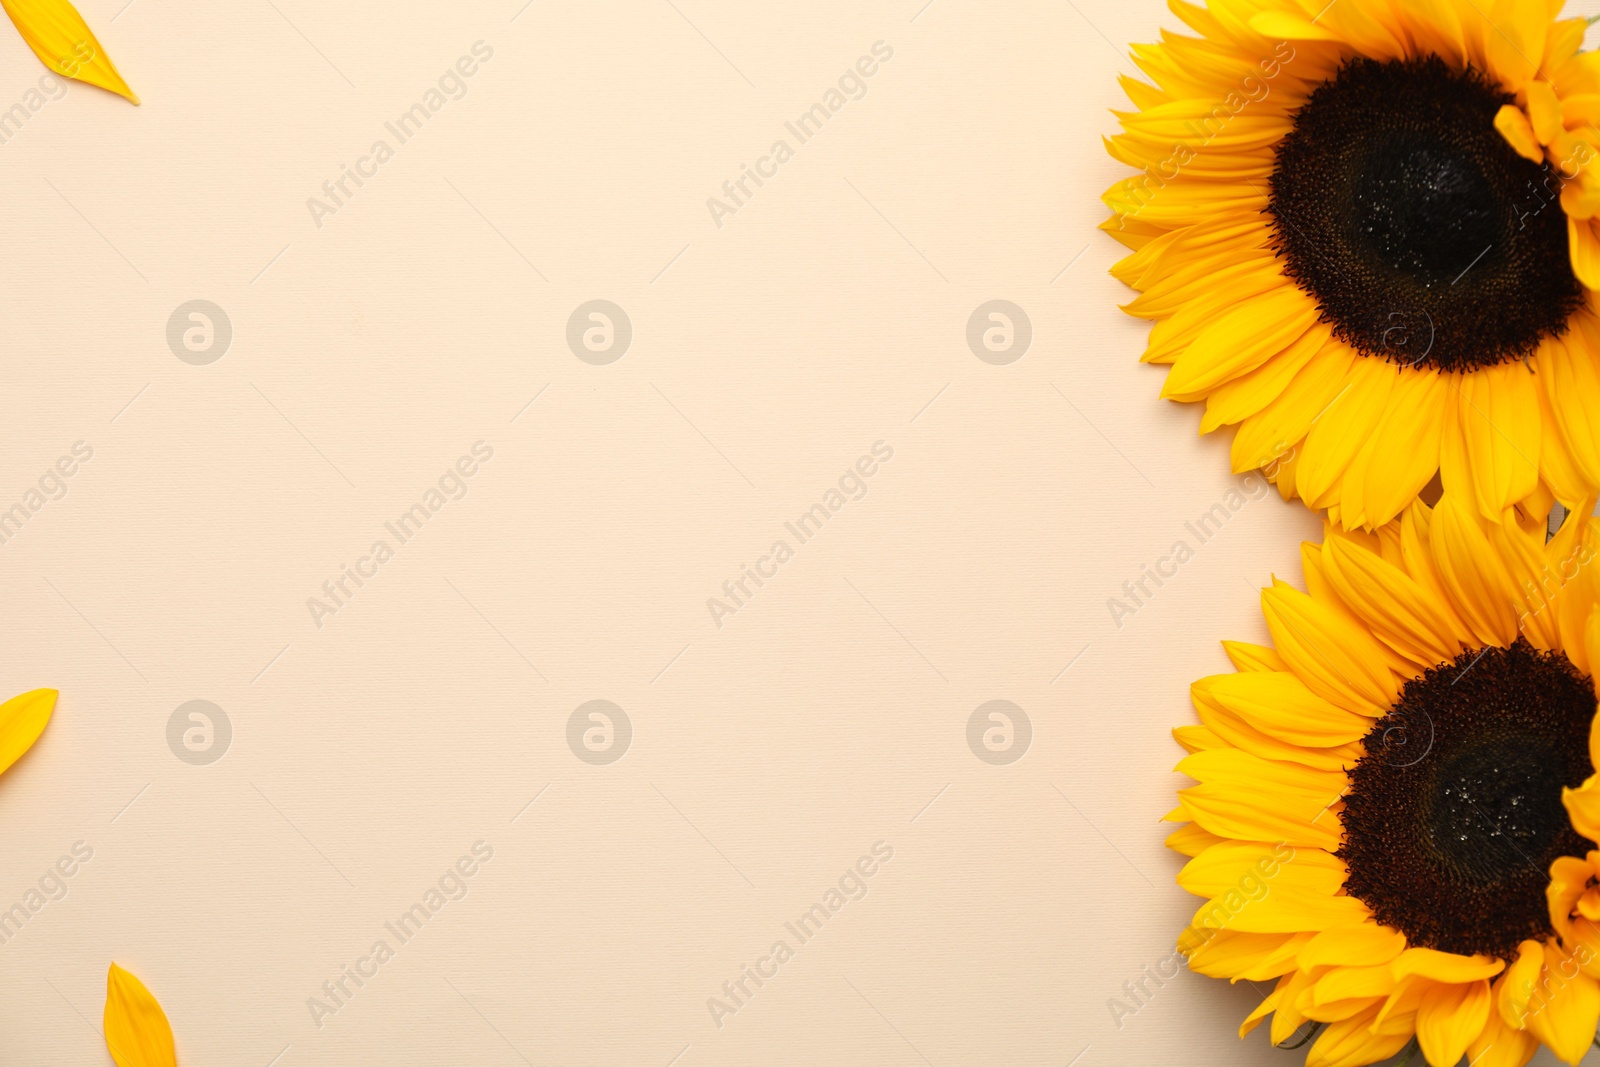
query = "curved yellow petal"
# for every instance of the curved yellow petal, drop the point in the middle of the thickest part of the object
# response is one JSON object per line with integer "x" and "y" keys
{"x": 1242, "y": 957}
{"x": 1333, "y": 441}
{"x": 1353, "y": 1042}
{"x": 1500, "y": 1045}
{"x": 1515, "y": 39}
{"x": 1241, "y": 340}
{"x": 1583, "y": 808}
{"x": 1565, "y": 1008}
{"x": 1280, "y": 705}
{"x": 1500, "y": 418}
{"x": 1514, "y": 126}
{"x": 1515, "y": 988}
{"x": 1337, "y": 660}
{"x": 1445, "y": 966}
{"x": 1584, "y": 247}
{"x": 137, "y": 1031}
{"x": 1450, "y": 1018}
{"x": 64, "y": 43}
{"x": 1191, "y": 840}
{"x": 1249, "y": 657}
{"x": 1401, "y": 611}
{"x": 1544, "y": 111}
{"x": 1288, "y": 27}
{"x": 1474, "y": 575}
{"x": 22, "y": 719}
{"x": 1405, "y": 446}
{"x": 1366, "y": 945}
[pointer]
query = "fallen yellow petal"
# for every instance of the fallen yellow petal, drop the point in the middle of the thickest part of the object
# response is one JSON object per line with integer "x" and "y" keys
{"x": 137, "y": 1032}
{"x": 22, "y": 719}
{"x": 64, "y": 43}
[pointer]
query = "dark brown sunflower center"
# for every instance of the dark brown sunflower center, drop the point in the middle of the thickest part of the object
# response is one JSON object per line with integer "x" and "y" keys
{"x": 1424, "y": 238}
{"x": 1454, "y": 814}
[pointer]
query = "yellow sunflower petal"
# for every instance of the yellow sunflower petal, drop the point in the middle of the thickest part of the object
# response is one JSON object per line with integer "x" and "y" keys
{"x": 1515, "y": 989}
{"x": 136, "y": 1029}
{"x": 1565, "y": 1008}
{"x": 1558, "y": 466}
{"x": 1287, "y": 27}
{"x": 1401, "y": 611}
{"x": 1500, "y": 414}
{"x": 1266, "y": 1007}
{"x": 1279, "y": 704}
{"x": 1352, "y": 1043}
{"x": 1544, "y": 111}
{"x": 1569, "y": 879}
{"x": 1342, "y": 985}
{"x": 64, "y": 43}
{"x": 1584, "y": 246}
{"x": 22, "y": 719}
{"x": 1337, "y": 435}
{"x": 1478, "y": 582}
{"x": 1232, "y": 864}
{"x": 1231, "y": 731}
{"x": 1248, "y": 657}
{"x": 1515, "y": 42}
{"x": 1263, "y": 815}
{"x": 1337, "y": 660}
{"x": 1270, "y": 433}
{"x": 1191, "y": 840}
{"x": 1249, "y": 393}
{"x": 1450, "y": 1018}
{"x": 1583, "y": 808}
{"x": 1570, "y": 370}
{"x": 1366, "y": 945}
{"x": 1500, "y": 1045}
{"x": 1240, "y": 341}
{"x": 1514, "y": 126}
{"x": 1405, "y": 446}
{"x": 1244, "y": 957}
{"x": 1445, "y": 966}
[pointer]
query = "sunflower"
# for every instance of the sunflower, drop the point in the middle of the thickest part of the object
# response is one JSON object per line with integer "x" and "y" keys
{"x": 1396, "y": 813}
{"x": 1368, "y": 234}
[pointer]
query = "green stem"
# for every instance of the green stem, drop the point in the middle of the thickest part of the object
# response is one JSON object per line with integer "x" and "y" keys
{"x": 1310, "y": 1033}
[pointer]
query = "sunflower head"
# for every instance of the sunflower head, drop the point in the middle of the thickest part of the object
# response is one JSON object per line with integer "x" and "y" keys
{"x": 1368, "y": 236}
{"x": 1396, "y": 810}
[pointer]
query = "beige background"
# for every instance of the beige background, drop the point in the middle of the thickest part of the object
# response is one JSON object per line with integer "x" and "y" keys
{"x": 768, "y": 354}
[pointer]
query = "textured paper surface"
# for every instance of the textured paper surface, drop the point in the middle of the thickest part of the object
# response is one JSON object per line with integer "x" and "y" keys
{"x": 371, "y": 346}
